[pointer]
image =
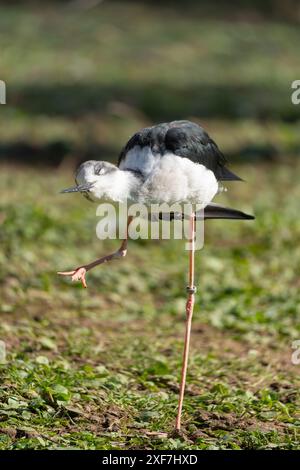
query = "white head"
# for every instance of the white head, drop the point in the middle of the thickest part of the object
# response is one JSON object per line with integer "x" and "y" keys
{"x": 103, "y": 180}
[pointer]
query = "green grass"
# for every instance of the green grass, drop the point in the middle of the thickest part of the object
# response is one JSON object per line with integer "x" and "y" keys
{"x": 91, "y": 78}
{"x": 99, "y": 368}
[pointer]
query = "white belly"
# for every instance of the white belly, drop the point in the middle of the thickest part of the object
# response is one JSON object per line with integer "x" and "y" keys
{"x": 176, "y": 179}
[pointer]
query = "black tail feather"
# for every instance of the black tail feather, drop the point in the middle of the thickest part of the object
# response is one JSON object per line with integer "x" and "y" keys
{"x": 211, "y": 211}
{"x": 214, "y": 211}
{"x": 226, "y": 175}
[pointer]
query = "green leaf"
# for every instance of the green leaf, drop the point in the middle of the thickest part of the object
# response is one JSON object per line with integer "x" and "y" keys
{"x": 48, "y": 343}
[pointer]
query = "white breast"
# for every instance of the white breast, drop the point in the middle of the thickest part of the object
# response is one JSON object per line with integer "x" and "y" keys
{"x": 170, "y": 178}
{"x": 177, "y": 179}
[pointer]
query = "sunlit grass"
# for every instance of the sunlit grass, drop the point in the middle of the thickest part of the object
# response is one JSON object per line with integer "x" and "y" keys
{"x": 99, "y": 368}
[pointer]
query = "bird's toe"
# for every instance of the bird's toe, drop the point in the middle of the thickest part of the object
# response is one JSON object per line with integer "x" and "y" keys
{"x": 76, "y": 275}
{"x": 79, "y": 275}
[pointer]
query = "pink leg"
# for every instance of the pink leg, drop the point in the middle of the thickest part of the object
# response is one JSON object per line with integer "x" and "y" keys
{"x": 80, "y": 273}
{"x": 191, "y": 289}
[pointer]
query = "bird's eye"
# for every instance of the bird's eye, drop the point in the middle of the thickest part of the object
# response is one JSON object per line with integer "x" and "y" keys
{"x": 100, "y": 171}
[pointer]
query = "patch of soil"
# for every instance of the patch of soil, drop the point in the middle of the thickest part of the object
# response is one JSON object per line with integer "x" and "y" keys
{"x": 210, "y": 421}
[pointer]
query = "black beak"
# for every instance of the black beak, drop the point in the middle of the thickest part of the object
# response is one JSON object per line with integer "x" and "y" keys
{"x": 81, "y": 188}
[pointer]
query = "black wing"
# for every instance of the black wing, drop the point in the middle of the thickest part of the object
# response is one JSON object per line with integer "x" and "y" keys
{"x": 191, "y": 141}
{"x": 184, "y": 139}
{"x": 153, "y": 137}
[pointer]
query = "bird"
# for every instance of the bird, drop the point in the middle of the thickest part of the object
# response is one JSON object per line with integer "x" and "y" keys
{"x": 173, "y": 162}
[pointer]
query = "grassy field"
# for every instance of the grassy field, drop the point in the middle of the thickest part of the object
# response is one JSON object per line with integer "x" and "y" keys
{"x": 99, "y": 368}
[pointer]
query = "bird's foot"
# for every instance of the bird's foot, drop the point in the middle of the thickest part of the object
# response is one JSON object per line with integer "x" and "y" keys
{"x": 76, "y": 275}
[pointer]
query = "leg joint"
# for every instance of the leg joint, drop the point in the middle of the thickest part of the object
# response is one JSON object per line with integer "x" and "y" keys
{"x": 122, "y": 253}
{"x": 191, "y": 290}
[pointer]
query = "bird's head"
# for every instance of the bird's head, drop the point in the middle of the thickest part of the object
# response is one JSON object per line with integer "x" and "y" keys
{"x": 92, "y": 178}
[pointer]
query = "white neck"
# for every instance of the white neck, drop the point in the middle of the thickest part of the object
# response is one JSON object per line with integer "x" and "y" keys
{"x": 117, "y": 186}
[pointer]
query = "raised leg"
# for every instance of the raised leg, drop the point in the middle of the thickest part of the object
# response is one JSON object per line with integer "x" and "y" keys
{"x": 79, "y": 274}
{"x": 191, "y": 289}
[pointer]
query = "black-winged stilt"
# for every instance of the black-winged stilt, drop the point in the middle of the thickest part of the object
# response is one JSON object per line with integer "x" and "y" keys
{"x": 167, "y": 163}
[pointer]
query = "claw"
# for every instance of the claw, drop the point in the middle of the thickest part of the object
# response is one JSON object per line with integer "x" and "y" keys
{"x": 77, "y": 275}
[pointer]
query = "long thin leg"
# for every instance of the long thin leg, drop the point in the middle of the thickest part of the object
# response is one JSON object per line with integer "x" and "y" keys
{"x": 80, "y": 273}
{"x": 191, "y": 289}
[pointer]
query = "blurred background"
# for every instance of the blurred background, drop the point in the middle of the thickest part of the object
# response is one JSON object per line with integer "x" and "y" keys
{"x": 82, "y": 76}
